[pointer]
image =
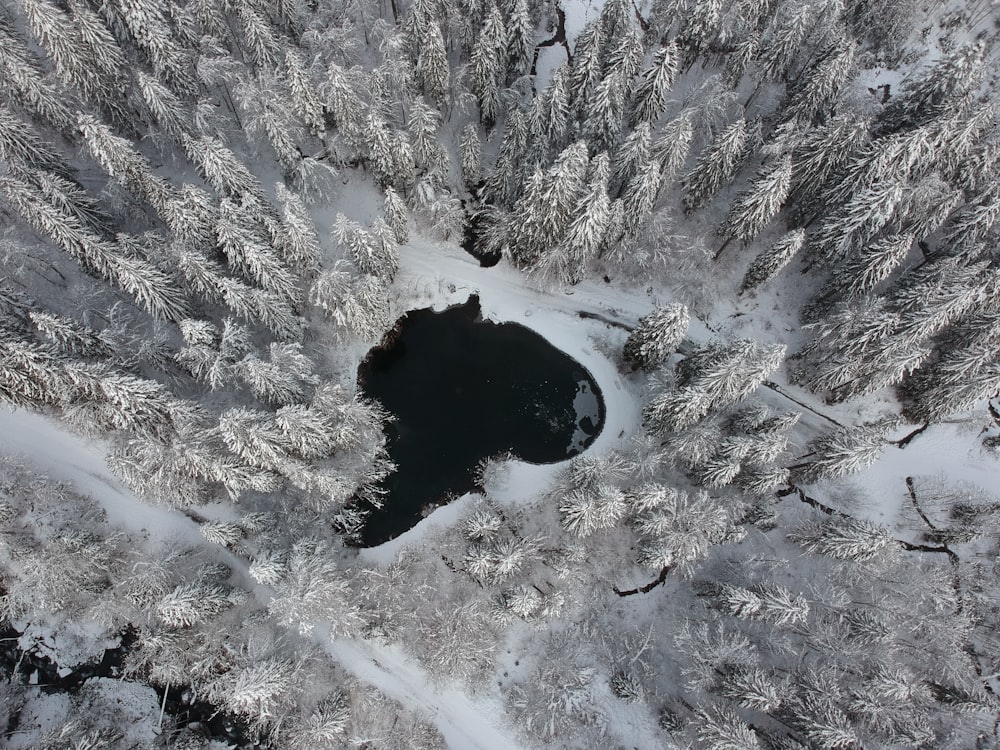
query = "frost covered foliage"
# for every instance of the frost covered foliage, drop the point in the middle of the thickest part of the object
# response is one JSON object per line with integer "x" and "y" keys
{"x": 656, "y": 336}
{"x": 714, "y": 377}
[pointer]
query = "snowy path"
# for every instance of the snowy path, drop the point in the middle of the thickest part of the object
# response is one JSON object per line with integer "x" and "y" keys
{"x": 464, "y": 724}
{"x": 46, "y": 445}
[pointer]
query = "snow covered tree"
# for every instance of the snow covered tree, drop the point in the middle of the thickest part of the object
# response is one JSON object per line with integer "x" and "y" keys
{"x": 422, "y": 127}
{"x": 192, "y": 603}
{"x": 520, "y": 39}
{"x": 716, "y": 165}
{"x": 815, "y": 95}
{"x": 167, "y": 109}
{"x": 120, "y": 160}
{"x": 471, "y": 156}
{"x": 650, "y": 96}
{"x": 489, "y": 63}
{"x": 656, "y": 336}
{"x": 432, "y": 63}
{"x": 392, "y": 158}
{"x": 604, "y": 110}
{"x": 946, "y": 84}
{"x": 20, "y": 143}
{"x": 344, "y": 101}
{"x": 71, "y": 43}
{"x": 357, "y": 305}
{"x": 771, "y": 603}
{"x": 843, "y": 451}
{"x": 862, "y": 273}
{"x": 24, "y": 80}
{"x": 305, "y": 96}
{"x": 370, "y": 255}
{"x": 585, "y": 233}
{"x": 587, "y": 70}
{"x": 298, "y": 243}
{"x": 769, "y": 262}
{"x": 751, "y": 212}
{"x": 145, "y": 23}
{"x": 220, "y": 167}
{"x": 843, "y": 537}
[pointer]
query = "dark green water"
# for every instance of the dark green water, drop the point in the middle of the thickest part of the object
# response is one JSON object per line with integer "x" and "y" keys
{"x": 463, "y": 389}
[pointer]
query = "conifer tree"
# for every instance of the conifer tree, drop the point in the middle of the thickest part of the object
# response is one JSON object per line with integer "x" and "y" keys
{"x": 22, "y": 78}
{"x": 814, "y": 98}
{"x": 716, "y": 165}
{"x": 489, "y": 56}
{"x": 947, "y": 84}
{"x": 650, "y": 96}
{"x": 752, "y": 211}
{"x": 396, "y": 216}
{"x": 604, "y": 110}
{"x": 432, "y": 63}
{"x": 520, "y": 39}
{"x": 471, "y": 156}
{"x": 768, "y": 263}
{"x": 304, "y": 94}
{"x": 843, "y": 451}
{"x": 586, "y": 230}
{"x": 587, "y": 68}
{"x": 20, "y": 143}
{"x": 656, "y": 336}
{"x": 631, "y": 156}
{"x": 299, "y": 242}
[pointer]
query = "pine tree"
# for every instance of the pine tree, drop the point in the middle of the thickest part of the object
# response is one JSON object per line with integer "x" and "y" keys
{"x": 422, "y": 127}
{"x": 784, "y": 40}
{"x": 843, "y": 537}
{"x": 20, "y": 143}
{"x": 631, "y": 156}
{"x": 650, "y": 96}
{"x": 945, "y": 85}
{"x": 844, "y": 451}
{"x": 432, "y": 63}
{"x": 346, "y": 105}
{"x": 489, "y": 65}
{"x": 752, "y": 211}
{"x": 167, "y": 110}
{"x": 656, "y": 336}
{"x": 716, "y": 165}
{"x": 61, "y": 37}
{"x": 145, "y": 23}
{"x": 120, "y": 160}
{"x": 862, "y": 273}
{"x": 357, "y": 305}
{"x": 586, "y": 230}
{"x": 604, "y": 111}
{"x": 815, "y": 97}
{"x": 471, "y": 156}
{"x": 304, "y": 95}
{"x": 221, "y": 168}
{"x": 371, "y": 256}
{"x": 299, "y": 242}
{"x": 520, "y": 40}
{"x": 768, "y": 263}
{"x": 22, "y": 78}
{"x": 396, "y": 216}
{"x": 191, "y": 604}
{"x": 587, "y": 68}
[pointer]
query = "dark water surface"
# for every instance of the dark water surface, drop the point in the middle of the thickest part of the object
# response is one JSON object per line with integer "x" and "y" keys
{"x": 463, "y": 389}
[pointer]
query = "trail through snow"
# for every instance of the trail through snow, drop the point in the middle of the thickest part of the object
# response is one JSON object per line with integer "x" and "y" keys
{"x": 464, "y": 723}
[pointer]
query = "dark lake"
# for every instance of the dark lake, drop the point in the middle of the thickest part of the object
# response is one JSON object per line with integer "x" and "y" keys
{"x": 463, "y": 389}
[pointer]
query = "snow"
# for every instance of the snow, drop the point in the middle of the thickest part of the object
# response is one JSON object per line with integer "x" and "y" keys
{"x": 464, "y": 723}
{"x": 63, "y": 456}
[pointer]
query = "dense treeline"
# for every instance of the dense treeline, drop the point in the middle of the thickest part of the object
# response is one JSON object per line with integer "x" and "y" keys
{"x": 173, "y": 274}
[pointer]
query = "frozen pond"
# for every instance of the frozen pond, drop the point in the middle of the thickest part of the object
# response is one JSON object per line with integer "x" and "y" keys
{"x": 463, "y": 389}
